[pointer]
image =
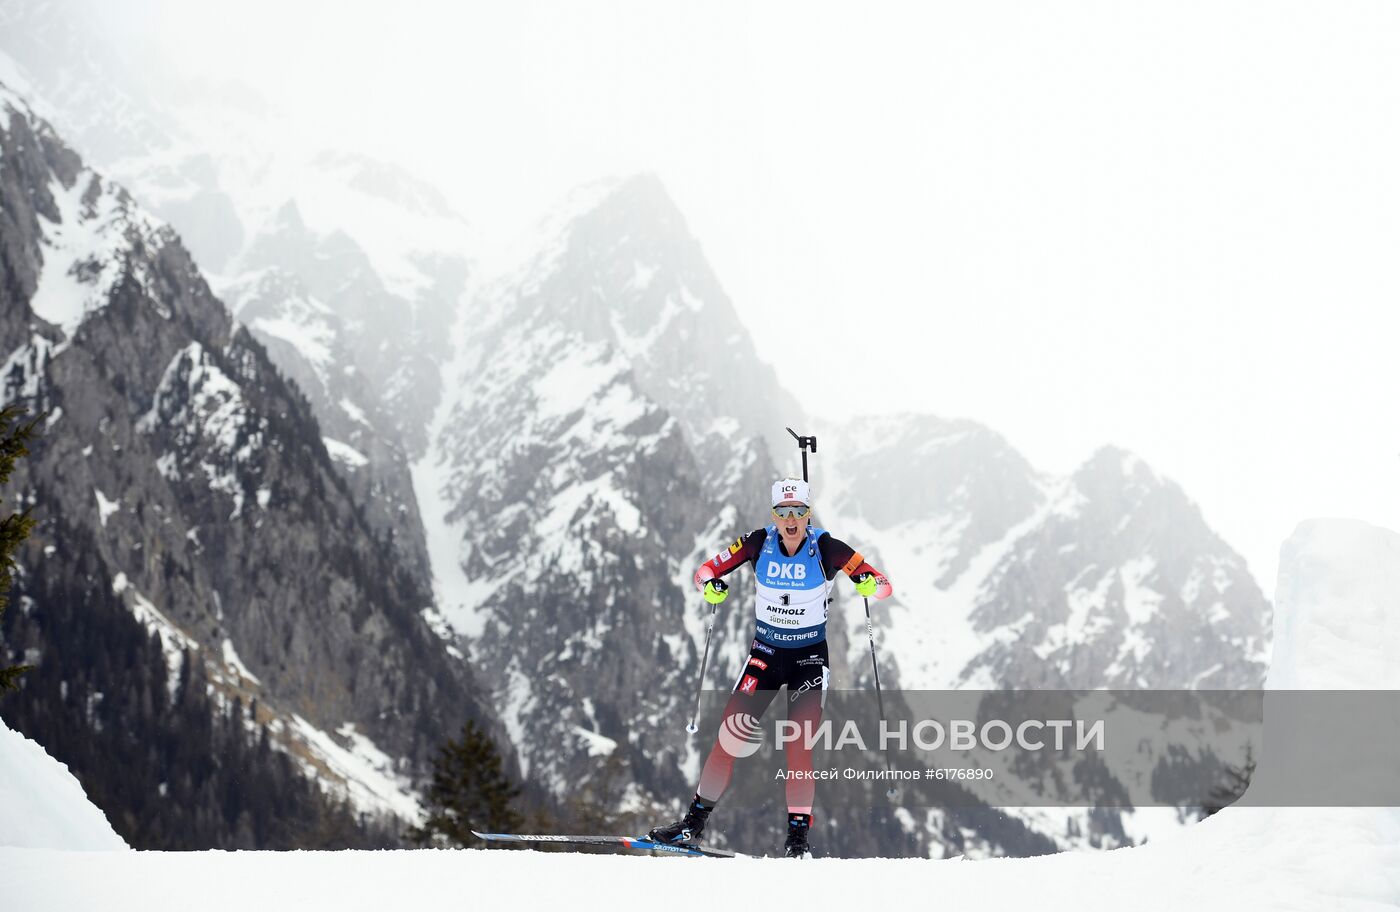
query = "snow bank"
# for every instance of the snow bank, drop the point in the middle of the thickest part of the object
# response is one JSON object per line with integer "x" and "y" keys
{"x": 1335, "y": 628}
{"x": 1338, "y": 624}
{"x": 42, "y": 806}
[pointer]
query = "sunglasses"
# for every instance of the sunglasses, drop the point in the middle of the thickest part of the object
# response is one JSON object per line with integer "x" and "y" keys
{"x": 790, "y": 512}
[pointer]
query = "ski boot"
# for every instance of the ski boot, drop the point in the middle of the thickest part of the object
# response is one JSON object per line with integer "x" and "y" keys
{"x": 798, "y": 827}
{"x": 688, "y": 828}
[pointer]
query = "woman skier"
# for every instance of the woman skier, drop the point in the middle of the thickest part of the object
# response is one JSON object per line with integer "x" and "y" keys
{"x": 794, "y": 564}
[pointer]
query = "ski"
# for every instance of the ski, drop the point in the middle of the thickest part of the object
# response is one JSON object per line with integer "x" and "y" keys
{"x": 627, "y": 842}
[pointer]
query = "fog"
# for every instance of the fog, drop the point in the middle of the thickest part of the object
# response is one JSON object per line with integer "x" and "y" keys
{"x": 1169, "y": 227}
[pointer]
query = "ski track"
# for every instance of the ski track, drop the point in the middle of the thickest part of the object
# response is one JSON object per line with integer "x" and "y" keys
{"x": 1295, "y": 873}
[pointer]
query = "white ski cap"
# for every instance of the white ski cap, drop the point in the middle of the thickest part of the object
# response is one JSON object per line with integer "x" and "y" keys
{"x": 792, "y": 489}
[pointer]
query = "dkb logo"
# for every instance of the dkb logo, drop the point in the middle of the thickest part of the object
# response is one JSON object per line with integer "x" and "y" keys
{"x": 787, "y": 571}
{"x": 740, "y": 735}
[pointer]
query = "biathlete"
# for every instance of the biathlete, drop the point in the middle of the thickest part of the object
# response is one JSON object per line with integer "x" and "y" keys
{"x": 794, "y": 565}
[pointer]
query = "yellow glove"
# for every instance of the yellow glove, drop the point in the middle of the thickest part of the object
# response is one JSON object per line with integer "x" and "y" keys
{"x": 717, "y": 591}
{"x": 866, "y": 585}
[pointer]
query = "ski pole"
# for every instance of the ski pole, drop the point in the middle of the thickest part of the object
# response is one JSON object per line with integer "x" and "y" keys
{"x": 704, "y": 660}
{"x": 879, "y": 698}
{"x": 874, "y": 665}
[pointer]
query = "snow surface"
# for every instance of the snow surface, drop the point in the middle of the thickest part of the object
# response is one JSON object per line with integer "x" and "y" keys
{"x": 105, "y": 507}
{"x": 1207, "y": 871}
{"x": 369, "y": 778}
{"x": 345, "y": 454}
{"x": 234, "y": 664}
{"x": 598, "y": 745}
{"x": 313, "y": 340}
{"x": 86, "y": 250}
{"x": 265, "y": 159}
{"x": 356, "y": 413}
{"x": 459, "y": 598}
{"x": 206, "y": 405}
{"x": 395, "y": 223}
{"x": 43, "y": 806}
{"x": 24, "y": 369}
{"x": 439, "y": 625}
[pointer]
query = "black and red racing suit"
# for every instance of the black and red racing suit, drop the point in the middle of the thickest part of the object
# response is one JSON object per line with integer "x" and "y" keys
{"x": 804, "y": 669}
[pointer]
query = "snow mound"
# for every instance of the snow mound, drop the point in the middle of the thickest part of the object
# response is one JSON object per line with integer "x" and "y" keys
{"x": 1338, "y": 586}
{"x": 42, "y": 805}
{"x": 1338, "y": 592}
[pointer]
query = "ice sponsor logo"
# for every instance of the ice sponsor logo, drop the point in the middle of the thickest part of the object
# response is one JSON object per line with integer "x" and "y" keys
{"x": 792, "y": 490}
{"x": 740, "y": 735}
{"x": 758, "y": 663}
{"x": 761, "y": 647}
{"x": 748, "y": 685}
{"x": 786, "y": 570}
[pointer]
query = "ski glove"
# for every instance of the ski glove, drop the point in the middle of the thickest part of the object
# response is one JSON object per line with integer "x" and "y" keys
{"x": 717, "y": 591}
{"x": 865, "y": 585}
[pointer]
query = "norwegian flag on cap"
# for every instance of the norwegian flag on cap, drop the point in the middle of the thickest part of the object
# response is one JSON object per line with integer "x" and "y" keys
{"x": 791, "y": 489}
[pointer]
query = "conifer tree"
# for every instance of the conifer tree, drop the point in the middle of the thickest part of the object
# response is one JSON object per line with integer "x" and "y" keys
{"x": 470, "y": 791}
{"x": 1237, "y": 780}
{"x": 14, "y": 528}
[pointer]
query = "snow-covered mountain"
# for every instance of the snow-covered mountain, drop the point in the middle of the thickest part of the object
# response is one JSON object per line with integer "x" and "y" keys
{"x": 55, "y": 55}
{"x": 616, "y": 263}
{"x": 382, "y": 251}
{"x": 589, "y": 419}
{"x": 1006, "y": 577}
{"x": 565, "y": 495}
{"x": 183, "y": 475}
{"x": 292, "y": 291}
{"x": 577, "y": 484}
{"x": 1107, "y": 578}
{"x": 1324, "y": 859}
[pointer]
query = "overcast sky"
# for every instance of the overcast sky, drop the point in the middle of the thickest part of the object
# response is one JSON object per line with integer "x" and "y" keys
{"x": 1172, "y": 227}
